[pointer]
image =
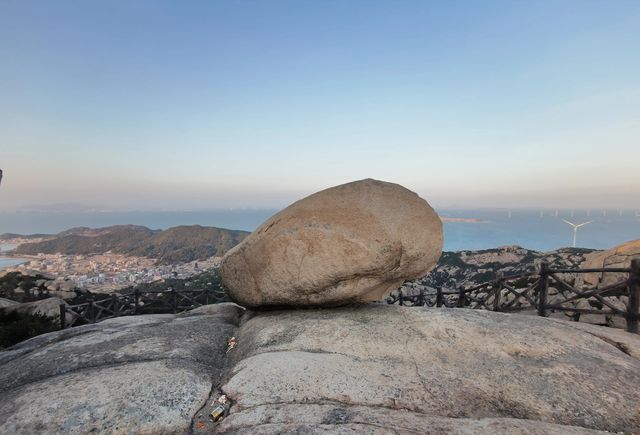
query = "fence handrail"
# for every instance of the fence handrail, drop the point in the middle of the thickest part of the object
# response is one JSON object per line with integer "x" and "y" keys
{"x": 549, "y": 270}
{"x": 536, "y": 293}
{"x": 124, "y": 304}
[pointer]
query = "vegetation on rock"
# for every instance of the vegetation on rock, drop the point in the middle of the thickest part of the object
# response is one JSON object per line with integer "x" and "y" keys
{"x": 23, "y": 288}
{"x": 16, "y": 326}
{"x": 210, "y": 279}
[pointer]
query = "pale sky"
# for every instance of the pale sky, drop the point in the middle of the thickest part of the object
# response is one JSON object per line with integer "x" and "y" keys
{"x": 178, "y": 105}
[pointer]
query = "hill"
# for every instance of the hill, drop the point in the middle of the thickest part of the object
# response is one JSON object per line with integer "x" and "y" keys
{"x": 469, "y": 268}
{"x": 174, "y": 245}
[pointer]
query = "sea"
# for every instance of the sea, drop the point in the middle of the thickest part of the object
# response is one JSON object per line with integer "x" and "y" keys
{"x": 541, "y": 230}
{"x": 5, "y": 261}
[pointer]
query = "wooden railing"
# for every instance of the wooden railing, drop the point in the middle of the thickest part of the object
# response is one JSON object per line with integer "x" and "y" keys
{"x": 530, "y": 291}
{"x": 137, "y": 302}
{"x": 512, "y": 293}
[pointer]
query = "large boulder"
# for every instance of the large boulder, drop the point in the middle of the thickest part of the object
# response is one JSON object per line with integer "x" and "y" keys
{"x": 351, "y": 243}
{"x": 618, "y": 257}
{"x": 49, "y": 307}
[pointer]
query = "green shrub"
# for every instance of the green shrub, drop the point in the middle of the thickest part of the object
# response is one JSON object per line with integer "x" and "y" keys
{"x": 16, "y": 327}
{"x": 15, "y": 280}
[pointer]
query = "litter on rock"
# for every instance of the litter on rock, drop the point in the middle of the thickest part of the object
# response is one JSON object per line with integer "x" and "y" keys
{"x": 222, "y": 400}
{"x": 231, "y": 343}
{"x": 218, "y": 408}
{"x": 217, "y": 412}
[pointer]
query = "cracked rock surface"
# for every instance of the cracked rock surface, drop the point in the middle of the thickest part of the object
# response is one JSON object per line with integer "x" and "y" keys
{"x": 466, "y": 369}
{"x": 360, "y": 369}
{"x": 143, "y": 374}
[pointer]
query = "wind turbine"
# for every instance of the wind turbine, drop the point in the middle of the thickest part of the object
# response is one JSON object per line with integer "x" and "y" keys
{"x": 575, "y": 229}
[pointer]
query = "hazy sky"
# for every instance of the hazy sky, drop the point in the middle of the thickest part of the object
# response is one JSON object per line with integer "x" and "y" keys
{"x": 216, "y": 104}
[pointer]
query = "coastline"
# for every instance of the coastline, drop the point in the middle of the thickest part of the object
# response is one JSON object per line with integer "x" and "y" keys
{"x": 7, "y": 259}
{"x": 6, "y": 262}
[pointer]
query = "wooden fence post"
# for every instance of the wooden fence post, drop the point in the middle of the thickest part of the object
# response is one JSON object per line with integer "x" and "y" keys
{"x": 174, "y": 301}
{"x": 114, "y": 305}
{"x": 63, "y": 312}
{"x": 439, "y": 297}
{"x": 461, "y": 298}
{"x": 206, "y": 295}
{"x": 633, "y": 306}
{"x": 497, "y": 291}
{"x": 136, "y": 301}
{"x": 92, "y": 312}
{"x": 543, "y": 288}
{"x": 400, "y": 302}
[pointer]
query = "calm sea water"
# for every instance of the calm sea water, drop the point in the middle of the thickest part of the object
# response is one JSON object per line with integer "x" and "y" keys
{"x": 526, "y": 228}
{"x": 6, "y": 262}
{"x": 530, "y": 229}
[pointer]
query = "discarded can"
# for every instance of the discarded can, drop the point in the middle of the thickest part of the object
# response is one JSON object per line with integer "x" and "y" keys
{"x": 217, "y": 412}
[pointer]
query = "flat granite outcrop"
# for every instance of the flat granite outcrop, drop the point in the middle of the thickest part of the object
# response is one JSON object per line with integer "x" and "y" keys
{"x": 358, "y": 369}
{"x": 142, "y": 374}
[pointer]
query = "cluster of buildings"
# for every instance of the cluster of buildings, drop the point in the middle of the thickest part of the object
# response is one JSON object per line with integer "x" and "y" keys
{"x": 103, "y": 273}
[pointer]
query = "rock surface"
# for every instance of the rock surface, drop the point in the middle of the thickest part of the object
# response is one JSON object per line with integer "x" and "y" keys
{"x": 339, "y": 419}
{"x": 351, "y": 243}
{"x": 452, "y": 363}
{"x": 365, "y": 369}
{"x": 618, "y": 257}
{"x": 143, "y": 374}
{"x": 49, "y": 307}
{"x": 7, "y": 302}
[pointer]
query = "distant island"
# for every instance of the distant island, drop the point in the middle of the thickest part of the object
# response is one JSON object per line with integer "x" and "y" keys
{"x": 463, "y": 220}
{"x": 174, "y": 245}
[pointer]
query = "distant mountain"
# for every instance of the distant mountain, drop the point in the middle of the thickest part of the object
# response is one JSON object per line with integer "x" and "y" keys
{"x": 469, "y": 268}
{"x": 174, "y": 245}
{"x": 93, "y": 232}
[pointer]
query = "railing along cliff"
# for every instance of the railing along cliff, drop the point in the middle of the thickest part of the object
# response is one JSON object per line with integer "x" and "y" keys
{"x": 506, "y": 293}
{"x": 137, "y": 302}
{"x": 530, "y": 291}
